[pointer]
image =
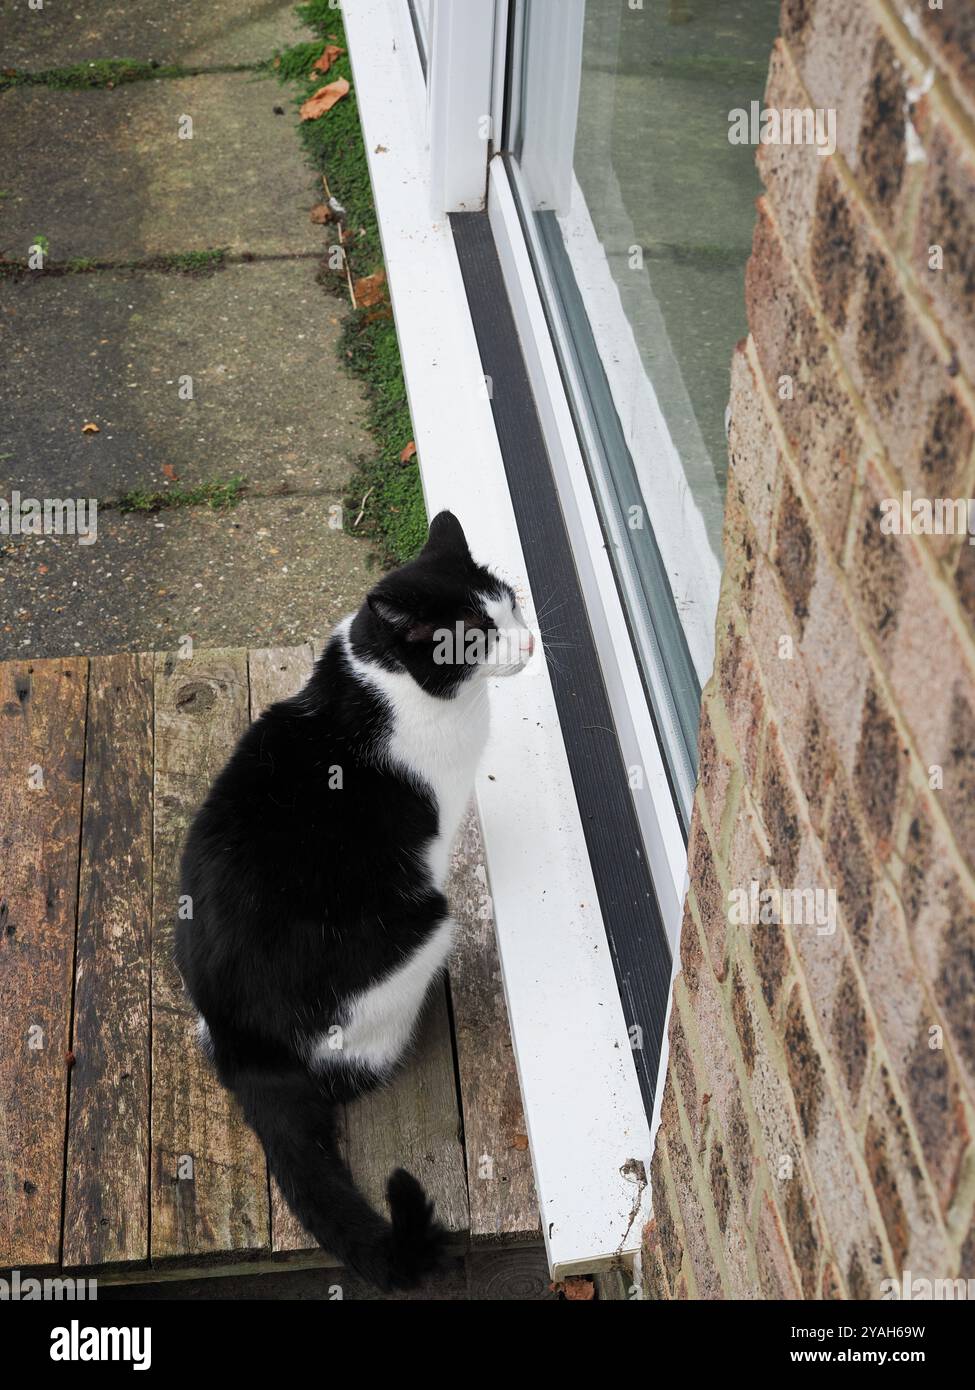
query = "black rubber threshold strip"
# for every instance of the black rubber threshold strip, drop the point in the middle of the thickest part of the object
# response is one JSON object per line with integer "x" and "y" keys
{"x": 638, "y": 941}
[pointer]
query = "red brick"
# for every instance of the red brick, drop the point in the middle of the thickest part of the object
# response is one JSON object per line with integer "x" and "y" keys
{"x": 776, "y": 644}
{"x": 878, "y": 567}
{"x": 780, "y": 819}
{"x": 753, "y": 451}
{"x": 804, "y": 1237}
{"x": 882, "y": 762}
{"x": 834, "y": 660}
{"x": 849, "y": 859}
{"x": 710, "y": 898}
{"x": 819, "y": 421}
{"x": 741, "y": 692}
{"x": 775, "y": 1274}
{"x": 894, "y": 364}
{"x": 950, "y": 34}
{"x": 914, "y": 1228}
{"x": 946, "y": 219}
{"x": 681, "y": 1066}
{"x": 944, "y": 946}
{"x": 714, "y": 770}
{"x": 795, "y": 552}
{"x": 688, "y": 1180}
{"x": 669, "y": 1231}
{"x": 654, "y": 1278}
{"x": 815, "y": 761}
{"x": 835, "y": 61}
{"x": 805, "y": 1068}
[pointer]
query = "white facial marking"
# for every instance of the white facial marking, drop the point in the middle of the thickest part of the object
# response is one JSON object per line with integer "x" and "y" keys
{"x": 437, "y": 743}
{"x": 512, "y": 645}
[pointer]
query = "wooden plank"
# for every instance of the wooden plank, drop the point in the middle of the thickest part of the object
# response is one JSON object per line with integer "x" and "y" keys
{"x": 414, "y": 1123}
{"x": 274, "y": 675}
{"x": 509, "y": 1273}
{"x": 106, "y": 1214}
{"x": 499, "y": 1171}
{"x": 209, "y": 1178}
{"x": 42, "y": 739}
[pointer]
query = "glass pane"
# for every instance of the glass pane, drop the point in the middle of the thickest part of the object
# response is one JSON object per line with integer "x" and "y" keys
{"x": 640, "y": 211}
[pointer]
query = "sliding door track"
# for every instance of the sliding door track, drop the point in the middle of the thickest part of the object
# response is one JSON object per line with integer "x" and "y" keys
{"x": 634, "y": 927}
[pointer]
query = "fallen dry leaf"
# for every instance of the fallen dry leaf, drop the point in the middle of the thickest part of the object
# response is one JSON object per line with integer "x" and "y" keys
{"x": 408, "y": 452}
{"x": 520, "y": 1141}
{"x": 332, "y": 51}
{"x": 369, "y": 290}
{"x": 579, "y": 1289}
{"x": 89, "y": 428}
{"x": 320, "y": 214}
{"x": 576, "y": 1289}
{"x": 324, "y": 99}
{"x": 170, "y": 472}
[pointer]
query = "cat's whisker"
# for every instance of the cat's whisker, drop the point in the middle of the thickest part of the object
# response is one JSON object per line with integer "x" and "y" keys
{"x": 542, "y": 613}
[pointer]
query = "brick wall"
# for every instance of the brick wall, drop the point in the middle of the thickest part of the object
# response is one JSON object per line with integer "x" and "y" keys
{"x": 820, "y": 1096}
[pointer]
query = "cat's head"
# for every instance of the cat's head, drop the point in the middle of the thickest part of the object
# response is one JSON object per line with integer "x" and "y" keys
{"x": 444, "y": 618}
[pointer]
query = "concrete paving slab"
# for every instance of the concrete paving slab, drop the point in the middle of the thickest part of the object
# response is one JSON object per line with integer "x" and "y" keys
{"x": 257, "y": 345}
{"x": 105, "y": 175}
{"x": 177, "y": 31}
{"x": 265, "y": 573}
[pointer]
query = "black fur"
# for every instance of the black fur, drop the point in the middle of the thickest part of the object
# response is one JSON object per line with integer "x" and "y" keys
{"x": 304, "y": 893}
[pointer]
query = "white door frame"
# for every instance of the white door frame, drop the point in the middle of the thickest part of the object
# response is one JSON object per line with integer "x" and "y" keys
{"x": 459, "y": 82}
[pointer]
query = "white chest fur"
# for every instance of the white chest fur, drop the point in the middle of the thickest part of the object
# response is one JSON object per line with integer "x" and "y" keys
{"x": 438, "y": 744}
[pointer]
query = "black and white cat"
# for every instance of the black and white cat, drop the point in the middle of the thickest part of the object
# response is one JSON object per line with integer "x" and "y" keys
{"x": 315, "y": 870}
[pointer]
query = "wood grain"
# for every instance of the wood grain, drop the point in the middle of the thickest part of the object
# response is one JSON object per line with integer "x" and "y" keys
{"x": 499, "y": 1173}
{"x": 209, "y": 1190}
{"x": 42, "y": 732}
{"x": 274, "y": 675}
{"x": 515, "y": 1274}
{"x": 106, "y": 1218}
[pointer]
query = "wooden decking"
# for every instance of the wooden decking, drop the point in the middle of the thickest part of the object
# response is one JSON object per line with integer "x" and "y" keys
{"x": 119, "y": 1151}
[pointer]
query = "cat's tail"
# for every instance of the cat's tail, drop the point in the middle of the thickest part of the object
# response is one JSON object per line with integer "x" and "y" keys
{"x": 296, "y": 1123}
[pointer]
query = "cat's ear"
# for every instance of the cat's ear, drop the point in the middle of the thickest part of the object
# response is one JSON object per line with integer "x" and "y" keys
{"x": 403, "y": 622}
{"x": 447, "y": 537}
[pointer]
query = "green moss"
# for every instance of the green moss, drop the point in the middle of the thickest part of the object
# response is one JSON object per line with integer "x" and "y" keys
{"x": 195, "y": 262}
{"x": 102, "y": 72}
{"x": 394, "y": 513}
{"x": 218, "y": 493}
{"x": 178, "y": 263}
{"x": 109, "y": 72}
